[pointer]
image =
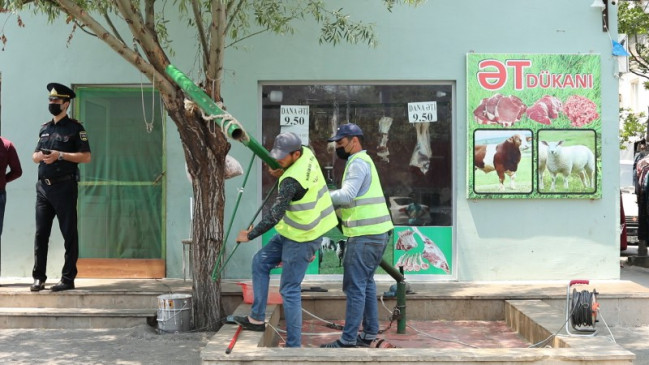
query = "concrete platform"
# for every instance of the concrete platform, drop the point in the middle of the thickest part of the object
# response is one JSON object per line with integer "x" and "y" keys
{"x": 534, "y": 311}
{"x": 624, "y": 306}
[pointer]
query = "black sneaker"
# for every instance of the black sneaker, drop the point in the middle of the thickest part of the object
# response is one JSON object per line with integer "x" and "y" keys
{"x": 361, "y": 342}
{"x": 336, "y": 344}
{"x": 245, "y": 323}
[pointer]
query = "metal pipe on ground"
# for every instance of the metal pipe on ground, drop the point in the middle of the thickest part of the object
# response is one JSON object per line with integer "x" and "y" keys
{"x": 401, "y": 294}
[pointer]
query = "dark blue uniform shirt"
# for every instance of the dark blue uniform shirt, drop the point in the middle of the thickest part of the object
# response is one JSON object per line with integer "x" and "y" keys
{"x": 68, "y": 135}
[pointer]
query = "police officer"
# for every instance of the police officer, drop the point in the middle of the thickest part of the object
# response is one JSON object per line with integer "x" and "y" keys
{"x": 62, "y": 144}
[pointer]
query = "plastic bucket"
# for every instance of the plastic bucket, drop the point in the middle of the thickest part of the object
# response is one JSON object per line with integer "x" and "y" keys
{"x": 274, "y": 297}
{"x": 174, "y": 312}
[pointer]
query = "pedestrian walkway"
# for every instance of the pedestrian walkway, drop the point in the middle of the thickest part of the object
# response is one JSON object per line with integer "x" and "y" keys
{"x": 143, "y": 345}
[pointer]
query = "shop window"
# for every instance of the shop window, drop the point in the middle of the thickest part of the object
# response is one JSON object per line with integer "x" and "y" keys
{"x": 408, "y": 132}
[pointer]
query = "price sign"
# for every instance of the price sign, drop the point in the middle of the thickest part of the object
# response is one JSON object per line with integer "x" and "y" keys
{"x": 295, "y": 118}
{"x": 294, "y": 115}
{"x": 421, "y": 112}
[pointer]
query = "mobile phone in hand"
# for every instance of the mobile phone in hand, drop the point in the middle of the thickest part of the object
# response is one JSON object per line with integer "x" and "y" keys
{"x": 46, "y": 151}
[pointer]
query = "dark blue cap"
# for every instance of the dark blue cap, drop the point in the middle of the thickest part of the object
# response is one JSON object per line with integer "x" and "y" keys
{"x": 346, "y": 130}
{"x": 60, "y": 91}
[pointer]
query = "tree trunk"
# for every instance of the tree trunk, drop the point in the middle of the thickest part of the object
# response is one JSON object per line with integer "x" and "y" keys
{"x": 206, "y": 165}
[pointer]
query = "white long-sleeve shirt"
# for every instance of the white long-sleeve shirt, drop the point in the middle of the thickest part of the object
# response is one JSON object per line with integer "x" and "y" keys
{"x": 357, "y": 182}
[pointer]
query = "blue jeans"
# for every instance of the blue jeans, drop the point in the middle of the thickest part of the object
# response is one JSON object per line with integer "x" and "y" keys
{"x": 363, "y": 255}
{"x": 295, "y": 258}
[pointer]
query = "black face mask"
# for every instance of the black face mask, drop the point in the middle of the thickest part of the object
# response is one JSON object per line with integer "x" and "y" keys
{"x": 340, "y": 152}
{"x": 55, "y": 109}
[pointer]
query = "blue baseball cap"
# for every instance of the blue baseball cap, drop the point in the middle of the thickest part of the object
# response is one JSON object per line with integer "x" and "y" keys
{"x": 346, "y": 130}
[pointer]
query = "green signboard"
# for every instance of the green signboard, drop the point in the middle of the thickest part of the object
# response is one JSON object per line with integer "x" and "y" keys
{"x": 534, "y": 125}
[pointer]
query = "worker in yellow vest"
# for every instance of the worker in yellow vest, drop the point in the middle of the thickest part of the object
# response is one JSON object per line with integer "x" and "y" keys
{"x": 367, "y": 224}
{"x": 301, "y": 215}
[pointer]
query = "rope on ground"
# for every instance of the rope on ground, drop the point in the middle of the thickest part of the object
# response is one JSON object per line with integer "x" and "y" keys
{"x": 441, "y": 339}
{"x": 543, "y": 343}
{"x": 329, "y": 324}
{"x": 279, "y": 331}
{"x": 612, "y": 338}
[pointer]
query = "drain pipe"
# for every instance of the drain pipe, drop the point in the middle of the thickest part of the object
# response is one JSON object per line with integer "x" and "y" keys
{"x": 233, "y": 130}
{"x": 401, "y": 294}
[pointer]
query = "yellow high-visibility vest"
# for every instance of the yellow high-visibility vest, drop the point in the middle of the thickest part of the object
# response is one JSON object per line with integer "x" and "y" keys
{"x": 368, "y": 213}
{"x": 313, "y": 215}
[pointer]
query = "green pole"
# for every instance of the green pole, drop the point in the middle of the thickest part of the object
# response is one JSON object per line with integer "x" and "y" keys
{"x": 217, "y": 267}
{"x": 234, "y": 130}
{"x": 401, "y": 294}
{"x": 401, "y": 305}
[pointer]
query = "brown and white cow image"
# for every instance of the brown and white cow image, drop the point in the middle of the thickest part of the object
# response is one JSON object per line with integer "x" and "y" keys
{"x": 503, "y": 158}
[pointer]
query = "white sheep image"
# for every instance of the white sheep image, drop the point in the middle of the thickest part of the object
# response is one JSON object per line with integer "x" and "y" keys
{"x": 543, "y": 158}
{"x": 566, "y": 160}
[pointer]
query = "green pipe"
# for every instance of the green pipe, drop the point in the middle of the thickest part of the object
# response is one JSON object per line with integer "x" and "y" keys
{"x": 216, "y": 273}
{"x": 392, "y": 271}
{"x": 401, "y": 306}
{"x": 401, "y": 295}
{"x": 217, "y": 268}
{"x": 234, "y": 131}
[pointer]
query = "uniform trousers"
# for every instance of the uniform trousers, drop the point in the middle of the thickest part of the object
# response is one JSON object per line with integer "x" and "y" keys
{"x": 56, "y": 200}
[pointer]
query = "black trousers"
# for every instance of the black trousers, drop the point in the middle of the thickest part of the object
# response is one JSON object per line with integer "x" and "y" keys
{"x": 60, "y": 200}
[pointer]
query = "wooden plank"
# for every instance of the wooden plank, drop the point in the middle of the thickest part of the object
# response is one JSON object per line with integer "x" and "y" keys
{"x": 121, "y": 268}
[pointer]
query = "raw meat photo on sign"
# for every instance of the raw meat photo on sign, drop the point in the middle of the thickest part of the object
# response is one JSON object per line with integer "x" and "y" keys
{"x": 423, "y": 250}
{"x": 534, "y": 123}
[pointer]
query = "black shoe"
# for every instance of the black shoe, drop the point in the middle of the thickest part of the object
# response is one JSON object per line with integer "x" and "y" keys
{"x": 62, "y": 286}
{"x": 336, "y": 344}
{"x": 361, "y": 342}
{"x": 247, "y": 325}
{"x": 38, "y": 285}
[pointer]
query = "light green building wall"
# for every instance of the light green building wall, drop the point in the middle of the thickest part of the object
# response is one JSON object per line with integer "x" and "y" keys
{"x": 495, "y": 239}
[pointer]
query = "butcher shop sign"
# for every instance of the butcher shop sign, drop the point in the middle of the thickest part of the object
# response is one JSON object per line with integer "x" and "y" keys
{"x": 534, "y": 126}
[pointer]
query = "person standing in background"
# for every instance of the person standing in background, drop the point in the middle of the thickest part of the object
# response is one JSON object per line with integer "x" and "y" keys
{"x": 62, "y": 145}
{"x": 8, "y": 158}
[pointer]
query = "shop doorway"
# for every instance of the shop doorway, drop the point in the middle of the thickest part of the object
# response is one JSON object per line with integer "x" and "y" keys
{"x": 121, "y": 192}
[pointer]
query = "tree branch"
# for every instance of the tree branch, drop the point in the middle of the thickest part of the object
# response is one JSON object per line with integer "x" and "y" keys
{"x": 112, "y": 26}
{"x": 162, "y": 83}
{"x": 639, "y": 74}
{"x": 149, "y": 16}
{"x": 246, "y": 37}
{"x": 83, "y": 28}
{"x": 198, "y": 18}
{"x": 233, "y": 14}
{"x": 214, "y": 68}
{"x": 155, "y": 54}
{"x": 636, "y": 57}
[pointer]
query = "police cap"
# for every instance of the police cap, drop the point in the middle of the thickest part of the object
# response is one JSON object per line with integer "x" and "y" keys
{"x": 60, "y": 91}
